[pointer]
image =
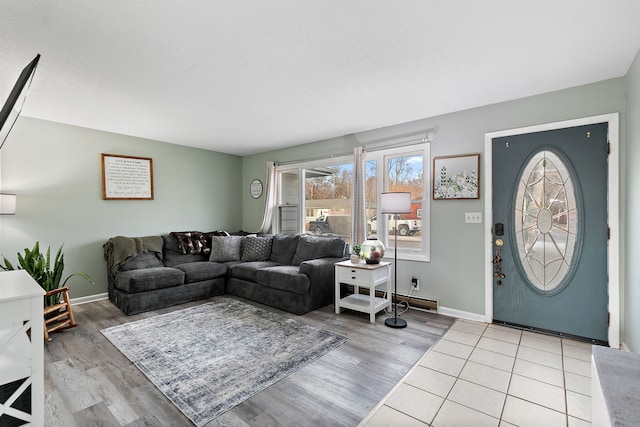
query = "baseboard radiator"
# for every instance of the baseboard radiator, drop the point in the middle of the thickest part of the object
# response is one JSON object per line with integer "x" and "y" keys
{"x": 414, "y": 302}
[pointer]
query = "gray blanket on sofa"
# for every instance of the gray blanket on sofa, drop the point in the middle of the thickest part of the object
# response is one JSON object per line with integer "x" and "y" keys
{"x": 120, "y": 249}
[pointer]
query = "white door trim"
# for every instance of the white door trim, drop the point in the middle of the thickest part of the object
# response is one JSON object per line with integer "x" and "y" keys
{"x": 613, "y": 212}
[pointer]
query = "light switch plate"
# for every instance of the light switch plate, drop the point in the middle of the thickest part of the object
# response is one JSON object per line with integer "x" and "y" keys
{"x": 473, "y": 217}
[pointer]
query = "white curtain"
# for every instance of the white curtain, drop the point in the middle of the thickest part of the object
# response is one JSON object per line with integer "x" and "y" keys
{"x": 269, "y": 199}
{"x": 358, "y": 230}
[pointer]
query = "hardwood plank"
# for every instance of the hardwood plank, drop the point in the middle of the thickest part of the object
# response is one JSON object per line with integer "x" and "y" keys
{"x": 89, "y": 382}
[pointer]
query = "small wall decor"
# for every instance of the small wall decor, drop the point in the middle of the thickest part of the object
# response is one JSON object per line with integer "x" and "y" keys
{"x": 256, "y": 188}
{"x": 456, "y": 177}
{"x": 127, "y": 177}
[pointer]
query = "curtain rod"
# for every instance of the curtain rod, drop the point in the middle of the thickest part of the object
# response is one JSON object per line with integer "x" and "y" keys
{"x": 311, "y": 159}
{"x": 400, "y": 142}
{"x": 370, "y": 148}
{"x": 424, "y": 140}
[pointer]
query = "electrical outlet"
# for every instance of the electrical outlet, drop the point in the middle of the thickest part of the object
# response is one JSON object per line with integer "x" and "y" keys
{"x": 415, "y": 283}
{"x": 473, "y": 217}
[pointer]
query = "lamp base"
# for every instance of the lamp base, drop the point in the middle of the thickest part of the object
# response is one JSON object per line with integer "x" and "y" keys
{"x": 395, "y": 322}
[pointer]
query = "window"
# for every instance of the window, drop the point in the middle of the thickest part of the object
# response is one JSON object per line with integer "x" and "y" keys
{"x": 316, "y": 198}
{"x": 546, "y": 221}
{"x": 325, "y": 198}
{"x": 401, "y": 169}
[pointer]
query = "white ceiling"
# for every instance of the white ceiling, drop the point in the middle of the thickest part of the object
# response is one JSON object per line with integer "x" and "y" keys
{"x": 241, "y": 76}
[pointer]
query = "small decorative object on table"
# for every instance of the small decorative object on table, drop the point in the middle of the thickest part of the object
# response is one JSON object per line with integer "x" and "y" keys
{"x": 355, "y": 256}
{"x": 372, "y": 250}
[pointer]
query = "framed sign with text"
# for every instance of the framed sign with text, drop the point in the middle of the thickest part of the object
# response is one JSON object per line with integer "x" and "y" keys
{"x": 127, "y": 177}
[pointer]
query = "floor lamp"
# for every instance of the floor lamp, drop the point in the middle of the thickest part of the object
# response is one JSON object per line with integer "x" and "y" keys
{"x": 395, "y": 203}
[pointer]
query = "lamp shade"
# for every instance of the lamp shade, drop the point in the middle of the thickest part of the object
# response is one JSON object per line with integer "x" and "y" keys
{"x": 395, "y": 203}
{"x": 7, "y": 204}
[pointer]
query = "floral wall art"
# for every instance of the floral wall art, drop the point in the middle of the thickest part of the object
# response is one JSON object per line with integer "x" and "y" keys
{"x": 456, "y": 177}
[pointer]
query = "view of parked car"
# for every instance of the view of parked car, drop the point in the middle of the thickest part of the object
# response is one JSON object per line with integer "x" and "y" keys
{"x": 406, "y": 227}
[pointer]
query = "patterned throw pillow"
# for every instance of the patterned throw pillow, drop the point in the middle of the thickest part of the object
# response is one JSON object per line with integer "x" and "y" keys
{"x": 225, "y": 249}
{"x": 256, "y": 248}
{"x": 190, "y": 242}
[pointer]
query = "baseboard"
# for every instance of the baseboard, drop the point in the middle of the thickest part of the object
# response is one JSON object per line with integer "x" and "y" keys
{"x": 475, "y": 317}
{"x": 89, "y": 298}
{"x": 427, "y": 304}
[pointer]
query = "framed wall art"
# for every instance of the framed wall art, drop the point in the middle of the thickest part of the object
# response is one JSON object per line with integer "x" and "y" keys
{"x": 456, "y": 177}
{"x": 127, "y": 177}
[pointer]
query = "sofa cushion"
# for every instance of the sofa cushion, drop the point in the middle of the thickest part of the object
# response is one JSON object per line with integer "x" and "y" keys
{"x": 283, "y": 277}
{"x": 256, "y": 248}
{"x": 143, "y": 260}
{"x": 202, "y": 270}
{"x": 312, "y": 247}
{"x": 247, "y": 270}
{"x": 284, "y": 247}
{"x": 173, "y": 255}
{"x": 149, "y": 279}
{"x": 225, "y": 248}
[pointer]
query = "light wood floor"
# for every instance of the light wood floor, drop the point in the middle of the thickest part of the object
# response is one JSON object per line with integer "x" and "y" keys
{"x": 88, "y": 382}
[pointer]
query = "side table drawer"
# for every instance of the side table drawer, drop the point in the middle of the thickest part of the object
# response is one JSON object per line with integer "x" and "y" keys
{"x": 353, "y": 276}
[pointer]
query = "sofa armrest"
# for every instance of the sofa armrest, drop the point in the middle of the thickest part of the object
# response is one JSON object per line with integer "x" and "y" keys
{"x": 321, "y": 273}
{"x": 315, "y": 268}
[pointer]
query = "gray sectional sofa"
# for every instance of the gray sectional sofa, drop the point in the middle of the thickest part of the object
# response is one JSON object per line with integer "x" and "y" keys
{"x": 294, "y": 273}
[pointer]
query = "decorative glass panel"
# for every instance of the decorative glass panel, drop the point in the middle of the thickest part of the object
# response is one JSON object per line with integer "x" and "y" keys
{"x": 546, "y": 220}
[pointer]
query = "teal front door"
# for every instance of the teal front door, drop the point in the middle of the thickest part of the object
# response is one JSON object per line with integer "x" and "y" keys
{"x": 550, "y": 231}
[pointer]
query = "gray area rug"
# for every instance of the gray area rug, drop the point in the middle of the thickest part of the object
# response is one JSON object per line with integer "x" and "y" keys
{"x": 209, "y": 358}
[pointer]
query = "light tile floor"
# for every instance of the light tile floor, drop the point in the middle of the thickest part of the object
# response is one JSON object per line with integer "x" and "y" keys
{"x": 487, "y": 375}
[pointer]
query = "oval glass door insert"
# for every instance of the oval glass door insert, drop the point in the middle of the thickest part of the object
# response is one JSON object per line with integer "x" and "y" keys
{"x": 546, "y": 221}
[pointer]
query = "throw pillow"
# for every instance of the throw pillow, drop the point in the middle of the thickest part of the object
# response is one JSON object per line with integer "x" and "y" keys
{"x": 190, "y": 242}
{"x": 225, "y": 248}
{"x": 256, "y": 248}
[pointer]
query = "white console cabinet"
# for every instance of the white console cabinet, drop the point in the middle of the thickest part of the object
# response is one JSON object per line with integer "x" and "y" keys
{"x": 22, "y": 343}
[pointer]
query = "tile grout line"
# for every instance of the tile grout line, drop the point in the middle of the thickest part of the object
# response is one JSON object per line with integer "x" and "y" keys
{"x": 506, "y": 395}
{"x": 475, "y": 346}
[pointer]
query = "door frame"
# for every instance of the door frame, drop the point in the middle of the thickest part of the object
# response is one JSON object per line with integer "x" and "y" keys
{"x": 613, "y": 212}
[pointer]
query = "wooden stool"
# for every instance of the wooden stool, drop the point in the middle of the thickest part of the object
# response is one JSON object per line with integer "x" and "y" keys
{"x": 58, "y": 316}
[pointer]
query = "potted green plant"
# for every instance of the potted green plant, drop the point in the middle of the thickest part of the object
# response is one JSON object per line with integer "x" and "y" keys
{"x": 46, "y": 274}
{"x": 355, "y": 256}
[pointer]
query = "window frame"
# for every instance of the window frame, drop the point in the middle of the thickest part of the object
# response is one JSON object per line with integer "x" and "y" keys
{"x": 300, "y": 168}
{"x": 380, "y": 156}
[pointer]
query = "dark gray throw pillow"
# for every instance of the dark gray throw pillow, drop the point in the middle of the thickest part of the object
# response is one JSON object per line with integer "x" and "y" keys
{"x": 256, "y": 248}
{"x": 225, "y": 248}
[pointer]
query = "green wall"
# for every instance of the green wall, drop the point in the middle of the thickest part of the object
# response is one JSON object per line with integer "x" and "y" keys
{"x": 55, "y": 170}
{"x": 455, "y": 275}
{"x": 632, "y": 195}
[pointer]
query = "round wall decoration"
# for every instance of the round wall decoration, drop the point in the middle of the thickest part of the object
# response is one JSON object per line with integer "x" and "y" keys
{"x": 256, "y": 188}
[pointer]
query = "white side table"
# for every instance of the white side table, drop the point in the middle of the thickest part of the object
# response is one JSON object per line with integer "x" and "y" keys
{"x": 21, "y": 354}
{"x": 362, "y": 275}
